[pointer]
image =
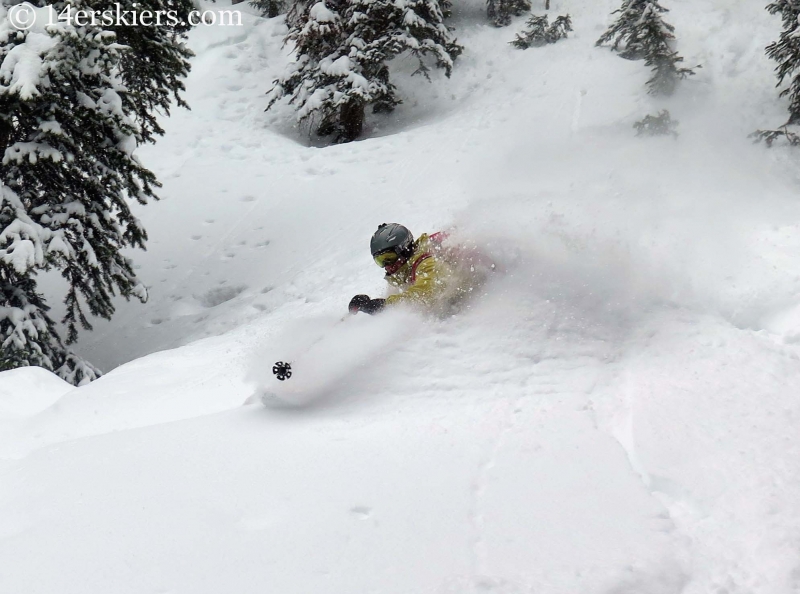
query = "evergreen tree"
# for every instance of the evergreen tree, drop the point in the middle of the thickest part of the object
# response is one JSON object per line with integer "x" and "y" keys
{"x": 786, "y": 52}
{"x": 67, "y": 174}
{"x": 625, "y": 30}
{"x": 500, "y": 12}
{"x": 156, "y": 64}
{"x": 342, "y": 48}
{"x": 559, "y": 29}
{"x": 297, "y": 14}
{"x": 640, "y": 33}
{"x": 269, "y": 8}
{"x": 657, "y": 125}
{"x": 27, "y": 333}
{"x": 535, "y": 34}
{"x": 540, "y": 32}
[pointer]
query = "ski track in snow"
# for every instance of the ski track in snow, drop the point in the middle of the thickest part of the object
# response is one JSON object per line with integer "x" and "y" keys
{"x": 744, "y": 463}
{"x": 617, "y": 415}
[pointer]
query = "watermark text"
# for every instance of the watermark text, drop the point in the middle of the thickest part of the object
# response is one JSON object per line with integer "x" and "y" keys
{"x": 24, "y": 16}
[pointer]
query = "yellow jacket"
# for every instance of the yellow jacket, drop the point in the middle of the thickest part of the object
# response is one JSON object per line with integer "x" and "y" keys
{"x": 431, "y": 277}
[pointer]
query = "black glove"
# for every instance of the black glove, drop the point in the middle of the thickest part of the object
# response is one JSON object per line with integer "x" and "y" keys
{"x": 365, "y": 304}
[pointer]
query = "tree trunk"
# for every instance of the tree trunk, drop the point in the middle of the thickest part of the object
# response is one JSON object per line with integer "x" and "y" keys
{"x": 547, "y": 4}
{"x": 5, "y": 137}
{"x": 351, "y": 120}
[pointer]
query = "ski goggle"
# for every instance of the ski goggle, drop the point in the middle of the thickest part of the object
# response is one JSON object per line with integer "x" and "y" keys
{"x": 386, "y": 259}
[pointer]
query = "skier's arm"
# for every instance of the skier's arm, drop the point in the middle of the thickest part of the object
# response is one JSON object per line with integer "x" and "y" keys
{"x": 366, "y": 304}
{"x": 428, "y": 284}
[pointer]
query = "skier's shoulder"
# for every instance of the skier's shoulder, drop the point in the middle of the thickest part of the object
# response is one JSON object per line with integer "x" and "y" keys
{"x": 430, "y": 243}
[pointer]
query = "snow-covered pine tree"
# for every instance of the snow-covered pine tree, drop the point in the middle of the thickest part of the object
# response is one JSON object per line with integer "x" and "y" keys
{"x": 560, "y": 29}
{"x": 640, "y": 33}
{"x": 343, "y": 47}
{"x": 158, "y": 61}
{"x": 67, "y": 174}
{"x": 269, "y": 8}
{"x": 540, "y": 32}
{"x": 534, "y": 35}
{"x": 786, "y": 52}
{"x": 500, "y": 12}
{"x": 317, "y": 33}
{"x": 657, "y": 39}
{"x": 657, "y": 125}
{"x": 625, "y": 30}
{"x": 297, "y": 14}
{"x": 27, "y": 333}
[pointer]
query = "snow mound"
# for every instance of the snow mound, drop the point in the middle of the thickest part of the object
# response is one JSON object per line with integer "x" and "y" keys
{"x": 27, "y": 391}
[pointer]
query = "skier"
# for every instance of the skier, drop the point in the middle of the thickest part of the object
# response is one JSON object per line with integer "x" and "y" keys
{"x": 426, "y": 272}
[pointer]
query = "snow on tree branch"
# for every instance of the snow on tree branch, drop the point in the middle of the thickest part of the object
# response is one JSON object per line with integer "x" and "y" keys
{"x": 342, "y": 49}
{"x": 74, "y": 105}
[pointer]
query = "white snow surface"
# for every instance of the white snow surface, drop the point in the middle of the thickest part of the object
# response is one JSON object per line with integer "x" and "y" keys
{"x": 617, "y": 414}
{"x": 29, "y": 390}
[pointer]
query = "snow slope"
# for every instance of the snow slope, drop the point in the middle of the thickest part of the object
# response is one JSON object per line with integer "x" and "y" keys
{"x": 618, "y": 414}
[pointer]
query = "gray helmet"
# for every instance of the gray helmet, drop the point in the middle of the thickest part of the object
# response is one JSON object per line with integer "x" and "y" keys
{"x": 392, "y": 237}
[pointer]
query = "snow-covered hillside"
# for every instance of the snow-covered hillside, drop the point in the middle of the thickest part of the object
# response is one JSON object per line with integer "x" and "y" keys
{"x": 617, "y": 414}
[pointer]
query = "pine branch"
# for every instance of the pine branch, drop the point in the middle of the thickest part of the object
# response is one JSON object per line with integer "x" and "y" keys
{"x": 769, "y": 137}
